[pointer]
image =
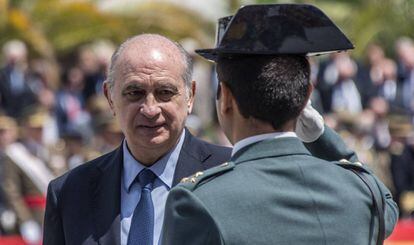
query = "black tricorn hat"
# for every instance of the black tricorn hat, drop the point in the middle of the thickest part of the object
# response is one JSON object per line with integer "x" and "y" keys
{"x": 273, "y": 29}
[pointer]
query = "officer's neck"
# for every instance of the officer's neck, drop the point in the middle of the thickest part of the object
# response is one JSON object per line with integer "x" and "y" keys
{"x": 249, "y": 127}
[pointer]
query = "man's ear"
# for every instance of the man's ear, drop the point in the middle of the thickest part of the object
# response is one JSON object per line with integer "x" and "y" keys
{"x": 308, "y": 95}
{"x": 191, "y": 95}
{"x": 226, "y": 100}
{"x": 108, "y": 95}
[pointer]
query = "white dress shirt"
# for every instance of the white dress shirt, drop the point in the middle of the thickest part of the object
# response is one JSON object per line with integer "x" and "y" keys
{"x": 131, "y": 191}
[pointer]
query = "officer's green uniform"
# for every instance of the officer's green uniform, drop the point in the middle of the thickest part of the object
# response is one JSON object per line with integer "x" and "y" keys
{"x": 276, "y": 192}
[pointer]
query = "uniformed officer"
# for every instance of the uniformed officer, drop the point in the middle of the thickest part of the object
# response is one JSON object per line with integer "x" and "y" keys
{"x": 8, "y": 132}
{"x": 273, "y": 191}
{"x": 25, "y": 180}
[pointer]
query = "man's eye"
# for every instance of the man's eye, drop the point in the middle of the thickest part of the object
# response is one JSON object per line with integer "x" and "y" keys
{"x": 165, "y": 94}
{"x": 134, "y": 94}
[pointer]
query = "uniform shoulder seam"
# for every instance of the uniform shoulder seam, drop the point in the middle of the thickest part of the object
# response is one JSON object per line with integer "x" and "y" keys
{"x": 197, "y": 179}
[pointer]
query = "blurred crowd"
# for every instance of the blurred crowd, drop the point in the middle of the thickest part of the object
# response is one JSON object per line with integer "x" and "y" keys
{"x": 55, "y": 117}
{"x": 370, "y": 102}
{"x": 51, "y": 120}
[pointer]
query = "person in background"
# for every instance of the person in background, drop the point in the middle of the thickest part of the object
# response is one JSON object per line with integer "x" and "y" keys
{"x": 8, "y": 134}
{"x": 76, "y": 151}
{"x": 70, "y": 104}
{"x": 402, "y": 165}
{"x": 345, "y": 94}
{"x": 33, "y": 125}
{"x": 108, "y": 134}
{"x": 16, "y": 92}
{"x": 405, "y": 52}
{"x": 369, "y": 72}
{"x": 387, "y": 85}
{"x": 24, "y": 183}
{"x": 336, "y": 84}
{"x": 94, "y": 68}
{"x": 403, "y": 49}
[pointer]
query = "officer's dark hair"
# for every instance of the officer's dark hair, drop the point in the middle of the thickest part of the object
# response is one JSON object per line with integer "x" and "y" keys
{"x": 269, "y": 88}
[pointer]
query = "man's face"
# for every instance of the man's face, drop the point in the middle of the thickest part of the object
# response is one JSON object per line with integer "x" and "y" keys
{"x": 7, "y": 136}
{"x": 149, "y": 97}
{"x": 35, "y": 133}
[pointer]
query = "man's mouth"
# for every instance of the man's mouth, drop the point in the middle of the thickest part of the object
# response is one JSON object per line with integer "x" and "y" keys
{"x": 152, "y": 126}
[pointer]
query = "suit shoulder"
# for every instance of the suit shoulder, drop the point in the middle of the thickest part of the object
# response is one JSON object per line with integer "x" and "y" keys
{"x": 199, "y": 150}
{"x": 192, "y": 182}
{"x": 216, "y": 153}
{"x": 217, "y": 149}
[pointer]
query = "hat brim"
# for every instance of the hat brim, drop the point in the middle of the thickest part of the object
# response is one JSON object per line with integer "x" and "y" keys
{"x": 209, "y": 54}
{"x": 213, "y": 54}
{"x": 277, "y": 29}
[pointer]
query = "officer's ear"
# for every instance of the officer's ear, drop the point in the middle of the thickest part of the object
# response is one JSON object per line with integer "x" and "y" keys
{"x": 226, "y": 100}
{"x": 308, "y": 95}
{"x": 190, "y": 96}
{"x": 107, "y": 89}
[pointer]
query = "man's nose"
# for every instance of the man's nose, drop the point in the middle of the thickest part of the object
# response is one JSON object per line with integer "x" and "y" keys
{"x": 150, "y": 107}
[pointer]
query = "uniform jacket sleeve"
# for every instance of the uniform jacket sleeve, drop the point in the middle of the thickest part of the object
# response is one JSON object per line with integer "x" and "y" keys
{"x": 330, "y": 147}
{"x": 187, "y": 221}
{"x": 13, "y": 191}
{"x": 390, "y": 207}
{"x": 53, "y": 231}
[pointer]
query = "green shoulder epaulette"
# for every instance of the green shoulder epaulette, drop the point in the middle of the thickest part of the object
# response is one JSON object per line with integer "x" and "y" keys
{"x": 351, "y": 165}
{"x": 194, "y": 180}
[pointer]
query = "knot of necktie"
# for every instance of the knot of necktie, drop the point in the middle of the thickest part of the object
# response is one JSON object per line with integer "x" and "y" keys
{"x": 146, "y": 179}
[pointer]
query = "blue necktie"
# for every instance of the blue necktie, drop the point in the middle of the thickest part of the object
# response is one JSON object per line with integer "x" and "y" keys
{"x": 141, "y": 231}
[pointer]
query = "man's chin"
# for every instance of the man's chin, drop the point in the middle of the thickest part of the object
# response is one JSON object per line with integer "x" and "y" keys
{"x": 155, "y": 140}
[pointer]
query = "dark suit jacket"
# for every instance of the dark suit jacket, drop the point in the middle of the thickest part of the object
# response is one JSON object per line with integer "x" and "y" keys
{"x": 402, "y": 170}
{"x": 14, "y": 104}
{"x": 83, "y": 206}
{"x": 275, "y": 192}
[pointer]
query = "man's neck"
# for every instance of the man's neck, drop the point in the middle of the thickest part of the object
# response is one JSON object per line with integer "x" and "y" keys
{"x": 149, "y": 156}
{"x": 251, "y": 127}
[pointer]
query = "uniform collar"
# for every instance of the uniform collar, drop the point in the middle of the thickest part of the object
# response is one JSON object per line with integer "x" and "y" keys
{"x": 260, "y": 137}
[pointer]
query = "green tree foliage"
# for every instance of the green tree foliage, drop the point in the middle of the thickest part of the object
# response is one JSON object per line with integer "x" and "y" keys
{"x": 174, "y": 21}
{"x": 56, "y": 28}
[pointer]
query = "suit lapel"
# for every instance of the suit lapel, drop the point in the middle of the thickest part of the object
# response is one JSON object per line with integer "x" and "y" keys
{"x": 193, "y": 154}
{"x": 270, "y": 148}
{"x": 106, "y": 180}
{"x": 105, "y": 192}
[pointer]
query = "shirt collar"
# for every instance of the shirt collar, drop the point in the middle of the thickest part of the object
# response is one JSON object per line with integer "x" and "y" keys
{"x": 163, "y": 168}
{"x": 256, "y": 138}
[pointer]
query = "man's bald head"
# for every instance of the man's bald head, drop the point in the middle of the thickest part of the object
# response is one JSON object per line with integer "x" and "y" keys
{"x": 150, "y": 92}
{"x": 146, "y": 42}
